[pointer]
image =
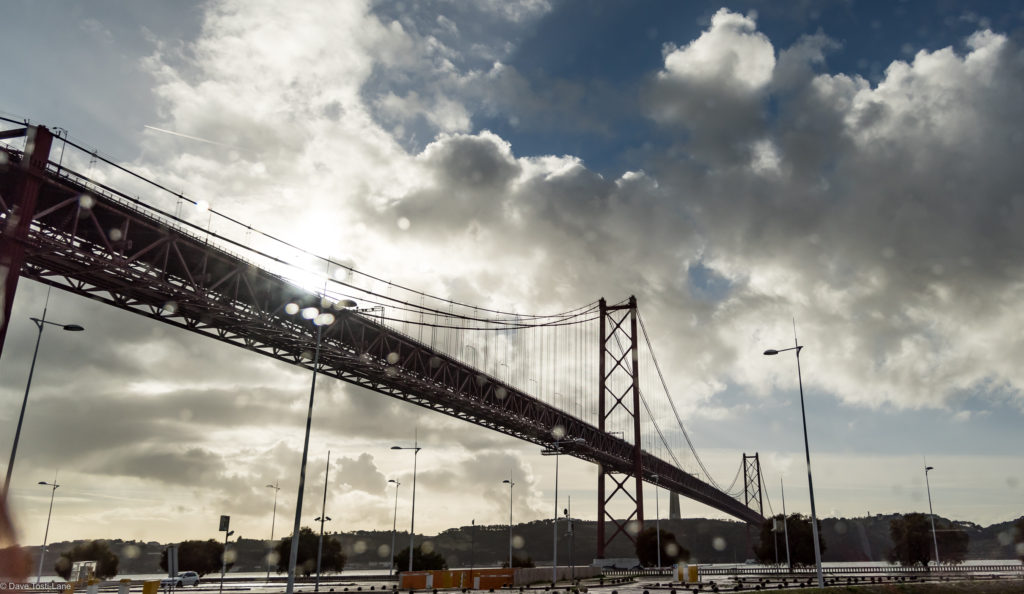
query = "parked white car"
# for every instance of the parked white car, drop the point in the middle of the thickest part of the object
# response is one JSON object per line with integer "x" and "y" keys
{"x": 185, "y": 578}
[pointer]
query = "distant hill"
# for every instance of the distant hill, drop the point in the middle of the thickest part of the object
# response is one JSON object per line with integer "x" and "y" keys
{"x": 709, "y": 541}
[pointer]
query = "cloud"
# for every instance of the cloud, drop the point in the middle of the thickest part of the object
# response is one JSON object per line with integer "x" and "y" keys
{"x": 361, "y": 474}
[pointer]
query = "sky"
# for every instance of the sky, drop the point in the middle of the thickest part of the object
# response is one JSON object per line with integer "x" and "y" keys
{"x": 852, "y": 166}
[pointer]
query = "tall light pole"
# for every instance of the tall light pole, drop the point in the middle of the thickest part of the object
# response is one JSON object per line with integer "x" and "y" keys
{"x": 657, "y": 518}
{"x": 556, "y": 451}
{"x": 394, "y": 528}
{"x": 510, "y": 484}
{"x": 319, "y": 320}
{"x": 412, "y": 525}
{"x": 46, "y": 535}
{"x": 323, "y": 518}
{"x": 935, "y": 539}
{"x": 40, "y": 324}
{"x": 807, "y": 451}
{"x": 273, "y": 520}
{"x": 785, "y": 525}
{"x": 572, "y": 542}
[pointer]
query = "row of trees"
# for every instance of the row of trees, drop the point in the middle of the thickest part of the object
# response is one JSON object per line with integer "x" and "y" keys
{"x": 911, "y": 536}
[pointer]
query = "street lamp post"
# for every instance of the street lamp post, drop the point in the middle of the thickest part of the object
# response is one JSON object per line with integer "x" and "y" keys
{"x": 273, "y": 520}
{"x": 807, "y": 452}
{"x": 323, "y": 518}
{"x": 412, "y": 525}
{"x": 46, "y": 535}
{"x": 510, "y": 484}
{"x": 319, "y": 320}
{"x": 657, "y": 518}
{"x": 556, "y": 451}
{"x": 394, "y": 528}
{"x": 785, "y": 525}
{"x": 935, "y": 539}
{"x": 572, "y": 542}
{"x": 40, "y": 324}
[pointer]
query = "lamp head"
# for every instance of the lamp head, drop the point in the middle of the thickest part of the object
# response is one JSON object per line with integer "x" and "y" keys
{"x": 927, "y": 468}
{"x": 396, "y": 447}
{"x": 771, "y": 352}
{"x": 43, "y": 483}
{"x": 73, "y": 328}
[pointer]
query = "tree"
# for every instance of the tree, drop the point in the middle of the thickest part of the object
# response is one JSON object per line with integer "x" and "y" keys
{"x": 97, "y": 550}
{"x": 647, "y": 548}
{"x": 517, "y": 561}
{"x": 953, "y": 541}
{"x": 200, "y": 556}
{"x": 801, "y": 541}
{"x": 421, "y": 561}
{"x": 332, "y": 559}
{"x": 911, "y": 539}
{"x": 772, "y": 545}
{"x": 1018, "y": 537}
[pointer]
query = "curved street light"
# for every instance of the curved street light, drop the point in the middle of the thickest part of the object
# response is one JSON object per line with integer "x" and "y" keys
{"x": 319, "y": 319}
{"x": 935, "y": 539}
{"x": 273, "y": 520}
{"x": 412, "y": 525}
{"x": 46, "y": 535}
{"x": 40, "y": 324}
{"x": 807, "y": 452}
{"x": 510, "y": 484}
{"x": 394, "y": 528}
{"x": 556, "y": 451}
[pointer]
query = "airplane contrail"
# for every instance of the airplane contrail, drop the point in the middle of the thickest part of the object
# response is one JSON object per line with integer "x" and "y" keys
{"x": 185, "y": 135}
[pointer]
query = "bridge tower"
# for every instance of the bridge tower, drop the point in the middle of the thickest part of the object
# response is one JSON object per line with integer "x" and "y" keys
{"x": 619, "y": 387}
{"x": 752, "y": 482}
{"x": 22, "y": 210}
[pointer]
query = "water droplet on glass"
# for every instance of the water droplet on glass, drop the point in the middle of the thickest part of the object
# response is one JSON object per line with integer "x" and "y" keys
{"x": 230, "y": 556}
{"x": 384, "y": 551}
{"x": 273, "y": 557}
{"x": 86, "y": 201}
{"x": 114, "y": 234}
{"x": 500, "y": 393}
{"x": 392, "y": 358}
{"x": 307, "y": 354}
{"x": 390, "y": 371}
{"x": 518, "y": 542}
{"x": 672, "y": 549}
{"x": 291, "y": 309}
{"x": 558, "y": 432}
{"x": 403, "y": 223}
{"x": 310, "y": 312}
{"x": 718, "y": 543}
{"x": 359, "y": 547}
{"x": 428, "y": 547}
{"x": 633, "y": 528}
{"x": 170, "y": 308}
{"x": 324, "y": 319}
{"x": 435, "y": 362}
{"x": 130, "y": 551}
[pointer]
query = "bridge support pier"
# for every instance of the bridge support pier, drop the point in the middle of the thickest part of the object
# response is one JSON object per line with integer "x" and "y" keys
{"x": 21, "y": 210}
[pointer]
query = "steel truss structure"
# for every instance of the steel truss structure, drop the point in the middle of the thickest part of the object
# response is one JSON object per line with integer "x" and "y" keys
{"x": 154, "y": 267}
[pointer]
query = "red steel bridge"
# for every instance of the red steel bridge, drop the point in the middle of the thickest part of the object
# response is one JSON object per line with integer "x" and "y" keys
{"x": 63, "y": 229}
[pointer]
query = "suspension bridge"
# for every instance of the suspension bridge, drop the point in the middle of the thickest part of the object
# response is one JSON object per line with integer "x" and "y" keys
{"x": 585, "y": 382}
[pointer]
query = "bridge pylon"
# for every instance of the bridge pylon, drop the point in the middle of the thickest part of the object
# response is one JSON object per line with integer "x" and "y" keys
{"x": 619, "y": 389}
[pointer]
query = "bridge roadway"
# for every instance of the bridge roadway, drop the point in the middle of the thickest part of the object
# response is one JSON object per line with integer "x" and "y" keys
{"x": 155, "y": 259}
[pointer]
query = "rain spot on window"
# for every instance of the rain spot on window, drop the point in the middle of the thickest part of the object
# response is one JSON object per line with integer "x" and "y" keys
{"x": 383, "y": 551}
{"x": 273, "y": 557}
{"x": 718, "y": 543}
{"x": 324, "y": 319}
{"x": 130, "y": 551}
{"x": 672, "y": 549}
{"x": 307, "y": 354}
{"x": 500, "y": 393}
{"x": 86, "y": 201}
{"x": 518, "y": 542}
{"x": 359, "y": 547}
{"x": 170, "y": 308}
{"x": 427, "y": 547}
{"x": 114, "y": 234}
{"x": 403, "y": 223}
{"x": 633, "y": 528}
{"x": 435, "y": 362}
{"x": 230, "y": 556}
{"x": 558, "y": 432}
{"x": 310, "y": 312}
{"x": 392, "y": 358}
{"x": 291, "y": 309}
